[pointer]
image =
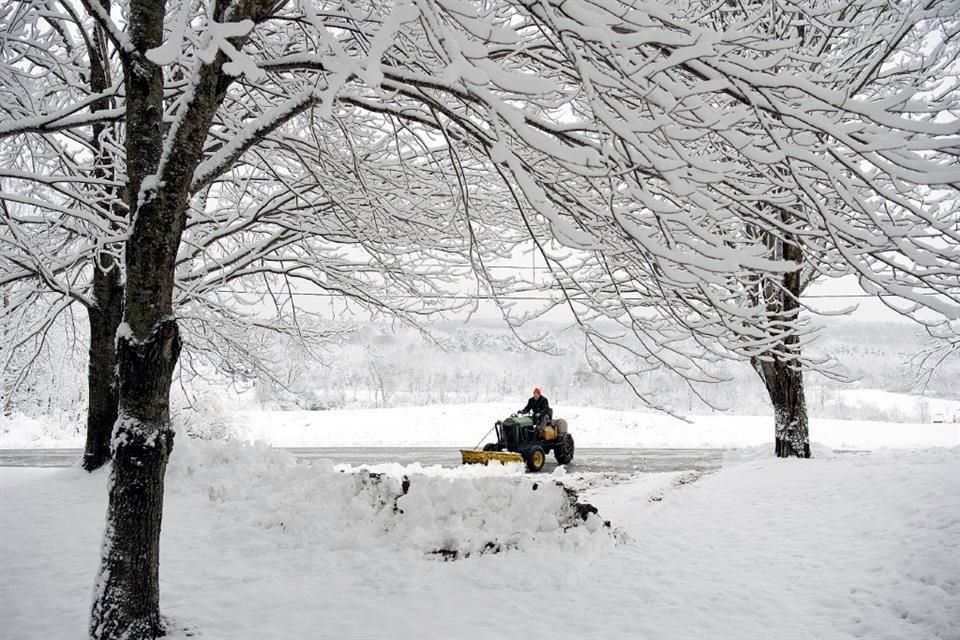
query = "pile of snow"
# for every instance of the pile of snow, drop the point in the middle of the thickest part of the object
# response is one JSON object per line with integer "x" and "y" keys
{"x": 448, "y": 512}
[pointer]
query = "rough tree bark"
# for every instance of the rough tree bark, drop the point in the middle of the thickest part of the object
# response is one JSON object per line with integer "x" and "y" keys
{"x": 127, "y": 603}
{"x": 781, "y": 370}
{"x": 127, "y": 596}
{"x": 784, "y": 383}
{"x": 106, "y": 311}
{"x": 105, "y": 316}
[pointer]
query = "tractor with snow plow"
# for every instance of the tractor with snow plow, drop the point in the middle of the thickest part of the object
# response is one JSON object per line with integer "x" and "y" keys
{"x": 520, "y": 440}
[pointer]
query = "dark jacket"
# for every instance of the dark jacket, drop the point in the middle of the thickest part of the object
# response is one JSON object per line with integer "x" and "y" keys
{"x": 537, "y": 407}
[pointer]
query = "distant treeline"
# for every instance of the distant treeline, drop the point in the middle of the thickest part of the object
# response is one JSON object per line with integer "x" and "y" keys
{"x": 477, "y": 363}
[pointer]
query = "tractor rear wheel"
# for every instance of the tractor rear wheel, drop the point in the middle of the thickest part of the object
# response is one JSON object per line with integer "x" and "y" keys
{"x": 491, "y": 446}
{"x": 564, "y": 449}
{"x": 535, "y": 458}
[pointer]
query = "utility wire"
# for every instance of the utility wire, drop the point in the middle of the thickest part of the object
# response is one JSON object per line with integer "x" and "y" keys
{"x": 487, "y": 296}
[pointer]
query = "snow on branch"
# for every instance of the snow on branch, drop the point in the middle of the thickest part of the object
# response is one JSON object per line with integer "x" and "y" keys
{"x": 674, "y": 166}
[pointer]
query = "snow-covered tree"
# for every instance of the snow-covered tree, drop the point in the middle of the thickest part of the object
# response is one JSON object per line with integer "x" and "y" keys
{"x": 178, "y": 135}
{"x": 631, "y": 138}
{"x": 304, "y": 210}
{"x": 771, "y": 144}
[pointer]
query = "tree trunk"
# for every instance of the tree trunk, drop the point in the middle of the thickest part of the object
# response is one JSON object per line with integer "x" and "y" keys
{"x": 127, "y": 594}
{"x": 106, "y": 313}
{"x": 7, "y": 402}
{"x": 781, "y": 368}
{"x": 105, "y": 317}
{"x": 784, "y": 383}
{"x": 127, "y": 601}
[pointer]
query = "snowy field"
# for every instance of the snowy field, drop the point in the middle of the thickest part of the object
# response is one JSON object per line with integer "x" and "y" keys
{"x": 463, "y": 425}
{"x": 256, "y": 545}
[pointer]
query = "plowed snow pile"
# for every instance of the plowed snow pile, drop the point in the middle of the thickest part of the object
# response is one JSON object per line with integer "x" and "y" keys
{"x": 452, "y": 513}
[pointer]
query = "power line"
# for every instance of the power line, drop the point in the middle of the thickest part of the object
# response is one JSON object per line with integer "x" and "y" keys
{"x": 487, "y": 296}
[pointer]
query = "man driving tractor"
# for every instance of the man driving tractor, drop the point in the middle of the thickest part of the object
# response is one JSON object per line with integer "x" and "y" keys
{"x": 527, "y": 440}
{"x": 539, "y": 409}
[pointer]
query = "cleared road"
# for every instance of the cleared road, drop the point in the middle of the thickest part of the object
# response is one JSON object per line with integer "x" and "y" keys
{"x": 620, "y": 461}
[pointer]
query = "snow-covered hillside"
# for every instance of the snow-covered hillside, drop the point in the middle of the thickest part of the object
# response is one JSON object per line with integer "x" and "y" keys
{"x": 482, "y": 362}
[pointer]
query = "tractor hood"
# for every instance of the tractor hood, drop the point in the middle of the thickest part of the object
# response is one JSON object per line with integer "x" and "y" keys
{"x": 518, "y": 421}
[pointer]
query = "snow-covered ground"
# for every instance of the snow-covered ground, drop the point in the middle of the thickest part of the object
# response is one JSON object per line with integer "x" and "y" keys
{"x": 256, "y": 545}
{"x": 464, "y": 425}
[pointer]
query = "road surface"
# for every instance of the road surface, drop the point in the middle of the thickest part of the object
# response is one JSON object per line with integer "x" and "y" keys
{"x": 619, "y": 461}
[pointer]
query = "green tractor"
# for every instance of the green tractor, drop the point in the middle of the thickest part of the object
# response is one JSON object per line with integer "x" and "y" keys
{"x": 519, "y": 440}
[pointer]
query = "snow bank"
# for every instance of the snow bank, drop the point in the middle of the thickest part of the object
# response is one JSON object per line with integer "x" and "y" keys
{"x": 445, "y": 512}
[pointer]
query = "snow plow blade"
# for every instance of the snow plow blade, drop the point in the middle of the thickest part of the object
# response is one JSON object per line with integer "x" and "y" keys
{"x": 472, "y": 456}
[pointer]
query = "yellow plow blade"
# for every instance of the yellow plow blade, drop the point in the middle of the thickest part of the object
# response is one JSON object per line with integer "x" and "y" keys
{"x": 472, "y": 456}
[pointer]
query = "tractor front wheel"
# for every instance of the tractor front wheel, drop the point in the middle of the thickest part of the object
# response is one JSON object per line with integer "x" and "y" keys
{"x": 491, "y": 446}
{"x": 536, "y": 458}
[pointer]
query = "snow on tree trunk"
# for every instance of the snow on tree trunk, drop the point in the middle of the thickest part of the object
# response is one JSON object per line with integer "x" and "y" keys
{"x": 780, "y": 368}
{"x": 784, "y": 383}
{"x": 104, "y": 316}
{"x": 127, "y": 600}
{"x": 127, "y": 591}
{"x": 106, "y": 311}
{"x": 127, "y": 596}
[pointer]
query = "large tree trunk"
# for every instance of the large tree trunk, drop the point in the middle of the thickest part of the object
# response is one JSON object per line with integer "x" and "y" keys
{"x": 127, "y": 596}
{"x": 103, "y": 393}
{"x": 7, "y": 402}
{"x": 127, "y": 601}
{"x": 784, "y": 383}
{"x": 781, "y": 367}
